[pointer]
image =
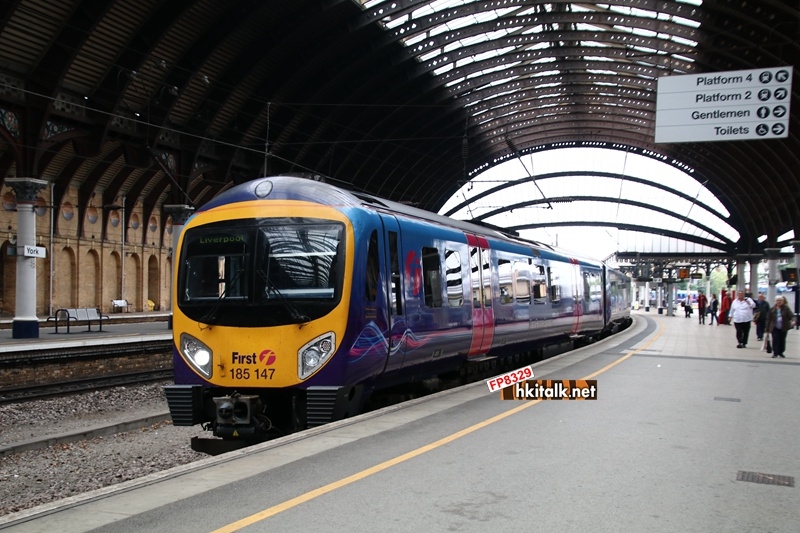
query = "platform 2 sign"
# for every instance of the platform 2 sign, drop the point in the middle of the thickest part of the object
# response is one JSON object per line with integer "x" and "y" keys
{"x": 724, "y": 106}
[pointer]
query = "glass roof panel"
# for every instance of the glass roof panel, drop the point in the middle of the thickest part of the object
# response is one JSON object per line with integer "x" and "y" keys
{"x": 433, "y": 30}
{"x": 627, "y": 197}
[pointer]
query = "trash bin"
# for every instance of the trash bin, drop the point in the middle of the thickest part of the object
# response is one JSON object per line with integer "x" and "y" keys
{"x": 151, "y": 305}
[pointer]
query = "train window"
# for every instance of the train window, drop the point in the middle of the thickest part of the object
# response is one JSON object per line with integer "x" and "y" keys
{"x": 555, "y": 288}
{"x": 475, "y": 267}
{"x": 522, "y": 283}
{"x": 432, "y": 277}
{"x": 587, "y": 288}
{"x": 486, "y": 276}
{"x": 215, "y": 264}
{"x": 455, "y": 286}
{"x": 539, "y": 284}
{"x": 299, "y": 261}
{"x": 373, "y": 269}
{"x": 504, "y": 273}
{"x": 394, "y": 260}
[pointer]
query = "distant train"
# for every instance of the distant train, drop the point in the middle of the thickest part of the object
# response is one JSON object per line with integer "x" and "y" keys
{"x": 295, "y": 300}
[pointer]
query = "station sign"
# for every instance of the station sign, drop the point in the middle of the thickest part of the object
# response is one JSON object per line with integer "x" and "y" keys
{"x": 683, "y": 273}
{"x": 32, "y": 251}
{"x": 696, "y": 275}
{"x": 724, "y": 106}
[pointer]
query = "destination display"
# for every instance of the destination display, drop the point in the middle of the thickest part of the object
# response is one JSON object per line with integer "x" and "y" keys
{"x": 724, "y": 106}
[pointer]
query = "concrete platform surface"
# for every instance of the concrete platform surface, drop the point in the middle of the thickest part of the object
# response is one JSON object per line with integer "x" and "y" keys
{"x": 681, "y": 414}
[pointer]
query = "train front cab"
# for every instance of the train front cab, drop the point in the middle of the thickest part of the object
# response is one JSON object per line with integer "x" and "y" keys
{"x": 261, "y": 308}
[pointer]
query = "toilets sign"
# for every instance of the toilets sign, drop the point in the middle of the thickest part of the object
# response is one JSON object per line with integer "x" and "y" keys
{"x": 724, "y": 106}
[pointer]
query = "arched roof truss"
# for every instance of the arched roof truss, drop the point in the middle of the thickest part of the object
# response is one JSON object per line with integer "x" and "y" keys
{"x": 174, "y": 102}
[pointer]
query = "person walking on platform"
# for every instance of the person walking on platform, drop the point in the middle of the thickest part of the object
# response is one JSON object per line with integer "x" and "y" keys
{"x": 701, "y": 307}
{"x": 713, "y": 307}
{"x": 760, "y": 315}
{"x": 724, "y": 308}
{"x": 780, "y": 320}
{"x": 742, "y": 315}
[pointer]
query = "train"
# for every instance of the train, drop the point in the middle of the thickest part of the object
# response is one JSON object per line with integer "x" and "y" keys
{"x": 295, "y": 301}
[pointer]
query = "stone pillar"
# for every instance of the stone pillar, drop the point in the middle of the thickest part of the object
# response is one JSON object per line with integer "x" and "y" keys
{"x": 180, "y": 214}
{"x": 796, "y": 245}
{"x": 755, "y": 260}
{"x": 741, "y": 261}
{"x": 772, "y": 276}
{"x": 26, "y": 323}
{"x": 647, "y": 296}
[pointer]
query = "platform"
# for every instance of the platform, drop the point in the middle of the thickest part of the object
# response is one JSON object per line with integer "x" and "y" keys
{"x": 127, "y": 327}
{"x": 681, "y": 414}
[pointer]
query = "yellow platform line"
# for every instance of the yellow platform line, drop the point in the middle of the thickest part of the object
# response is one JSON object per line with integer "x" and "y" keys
{"x": 330, "y": 487}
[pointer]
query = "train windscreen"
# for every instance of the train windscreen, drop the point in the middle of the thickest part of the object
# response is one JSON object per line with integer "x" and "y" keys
{"x": 264, "y": 272}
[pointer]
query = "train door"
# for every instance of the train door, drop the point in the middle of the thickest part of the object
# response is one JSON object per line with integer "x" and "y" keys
{"x": 393, "y": 274}
{"x": 482, "y": 312}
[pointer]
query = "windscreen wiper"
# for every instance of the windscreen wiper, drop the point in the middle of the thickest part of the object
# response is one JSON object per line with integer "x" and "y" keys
{"x": 294, "y": 314}
{"x": 210, "y": 317}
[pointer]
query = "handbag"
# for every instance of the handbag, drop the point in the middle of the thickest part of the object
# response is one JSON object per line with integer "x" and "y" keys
{"x": 767, "y": 343}
{"x": 756, "y": 315}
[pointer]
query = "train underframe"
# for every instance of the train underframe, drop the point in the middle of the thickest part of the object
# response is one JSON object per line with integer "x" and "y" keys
{"x": 242, "y": 417}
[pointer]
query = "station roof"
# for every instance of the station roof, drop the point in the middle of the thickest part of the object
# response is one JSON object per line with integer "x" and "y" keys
{"x": 173, "y": 102}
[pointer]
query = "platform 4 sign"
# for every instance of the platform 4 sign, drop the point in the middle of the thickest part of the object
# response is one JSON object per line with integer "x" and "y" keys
{"x": 724, "y": 106}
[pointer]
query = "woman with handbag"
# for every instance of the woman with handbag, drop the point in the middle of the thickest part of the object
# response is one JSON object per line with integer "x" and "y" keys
{"x": 779, "y": 321}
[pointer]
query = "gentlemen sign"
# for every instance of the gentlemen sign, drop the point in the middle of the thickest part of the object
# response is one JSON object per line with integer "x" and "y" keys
{"x": 724, "y": 106}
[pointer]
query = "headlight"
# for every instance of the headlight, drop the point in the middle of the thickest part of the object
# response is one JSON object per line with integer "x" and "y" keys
{"x": 313, "y": 355}
{"x": 198, "y": 354}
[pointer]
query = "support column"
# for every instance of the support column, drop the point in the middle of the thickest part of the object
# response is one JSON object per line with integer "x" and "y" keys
{"x": 180, "y": 214}
{"x": 755, "y": 260}
{"x": 26, "y": 323}
{"x": 647, "y": 296}
{"x": 741, "y": 261}
{"x": 772, "y": 276}
{"x": 796, "y": 245}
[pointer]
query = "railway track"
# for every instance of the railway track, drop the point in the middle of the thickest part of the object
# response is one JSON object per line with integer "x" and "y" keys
{"x": 49, "y": 390}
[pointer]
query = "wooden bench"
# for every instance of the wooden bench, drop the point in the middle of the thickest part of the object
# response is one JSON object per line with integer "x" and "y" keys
{"x": 120, "y": 305}
{"x": 83, "y": 314}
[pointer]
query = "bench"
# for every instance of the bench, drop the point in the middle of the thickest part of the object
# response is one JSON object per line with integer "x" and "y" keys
{"x": 120, "y": 305}
{"x": 83, "y": 314}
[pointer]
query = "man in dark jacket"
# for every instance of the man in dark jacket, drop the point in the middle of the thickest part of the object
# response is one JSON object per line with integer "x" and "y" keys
{"x": 701, "y": 307}
{"x": 760, "y": 312}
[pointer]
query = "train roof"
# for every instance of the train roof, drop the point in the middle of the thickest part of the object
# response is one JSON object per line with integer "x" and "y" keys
{"x": 293, "y": 187}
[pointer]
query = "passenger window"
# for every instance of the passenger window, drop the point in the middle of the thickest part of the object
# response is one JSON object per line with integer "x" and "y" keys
{"x": 505, "y": 275}
{"x": 373, "y": 270}
{"x": 394, "y": 262}
{"x": 455, "y": 286}
{"x": 587, "y": 287}
{"x": 522, "y": 283}
{"x": 487, "y": 278}
{"x": 432, "y": 277}
{"x": 475, "y": 266}
{"x": 555, "y": 288}
{"x": 539, "y": 284}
